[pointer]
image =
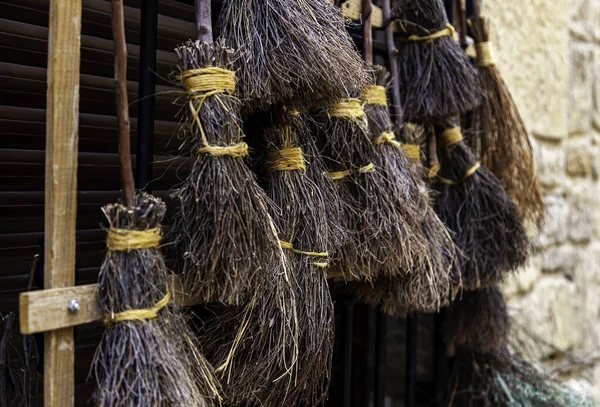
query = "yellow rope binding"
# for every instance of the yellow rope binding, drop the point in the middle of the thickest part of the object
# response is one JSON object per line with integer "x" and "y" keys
{"x": 209, "y": 80}
{"x": 120, "y": 240}
{"x": 288, "y": 159}
{"x": 412, "y": 151}
{"x": 289, "y": 246}
{"x": 374, "y": 95}
{"x": 347, "y": 109}
{"x": 449, "y": 31}
{"x": 485, "y": 55}
{"x": 387, "y": 137}
{"x": 338, "y": 175}
{"x": 451, "y": 137}
{"x": 138, "y": 314}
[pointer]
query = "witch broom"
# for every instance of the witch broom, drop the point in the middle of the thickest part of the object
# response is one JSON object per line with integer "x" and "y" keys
{"x": 147, "y": 355}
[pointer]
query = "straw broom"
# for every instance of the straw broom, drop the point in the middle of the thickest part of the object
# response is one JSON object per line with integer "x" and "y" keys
{"x": 148, "y": 355}
{"x": 223, "y": 234}
{"x": 436, "y": 77}
{"x": 295, "y": 52}
{"x": 472, "y": 204}
{"x": 500, "y": 133}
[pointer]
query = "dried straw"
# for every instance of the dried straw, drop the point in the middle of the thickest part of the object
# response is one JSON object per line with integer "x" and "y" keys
{"x": 145, "y": 358}
{"x": 500, "y": 135}
{"x": 224, "y": 237}
{"x": 479, "y": 321}
{"x": 485, "y": 223}
{"x": 292, "y": 51}
{"x": 436, "y": 77}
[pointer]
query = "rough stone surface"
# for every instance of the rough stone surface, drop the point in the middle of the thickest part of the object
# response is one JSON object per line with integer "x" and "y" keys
{"x": 579, "y": 161}
{"x": 551, "y": 163}
{"x": 560, "y": 259}
{"x": 555, "y": 230}
{"x": 581, "y": 105}
{"x": 581, "y": 214}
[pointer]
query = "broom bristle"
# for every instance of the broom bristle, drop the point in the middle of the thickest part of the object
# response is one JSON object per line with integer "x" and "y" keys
{"x": 223, "y": 234}
{"x": 292, "y": 51}
{"x": 485, "y": 222}
{"x": 504, "y": 145}
{"x": 479, "y": 321}
{"x": 436, "y": 77}
{"x": 154, "y": 361}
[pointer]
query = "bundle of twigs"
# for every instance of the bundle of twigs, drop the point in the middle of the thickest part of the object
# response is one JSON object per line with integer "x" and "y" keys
{"x": 223, "y": 233}
{"x": 499, "y": 133}
{"x": 148, "y": 355}
{"x": 436, "y": 77}
{"x": 297, "y": 52}
{"x": 485, "y": 222}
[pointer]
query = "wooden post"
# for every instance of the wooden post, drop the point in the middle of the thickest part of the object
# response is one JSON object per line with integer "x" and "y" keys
{"x": 62, "y": 121}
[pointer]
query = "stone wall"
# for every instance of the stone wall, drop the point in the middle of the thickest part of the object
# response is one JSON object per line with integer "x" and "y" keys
{"x": 549, "y": 54}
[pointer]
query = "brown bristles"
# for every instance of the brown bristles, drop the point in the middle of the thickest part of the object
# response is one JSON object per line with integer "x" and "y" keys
{"x": 292, "y": 52}
{"x": 223, "y": 234}
{"x": 499, "y": 134}
{"x": 149, "y": 359}
{"x": 482, "y": 218}
{"x": 435, "y": 75}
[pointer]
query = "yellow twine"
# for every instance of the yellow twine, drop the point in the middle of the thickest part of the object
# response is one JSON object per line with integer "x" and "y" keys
{"x": 211, "y": 79}
{"x": 485, "y": 55}
{"x": 288, "y": 159}
{"x": 468, "y": 174}
{"x": 433, "y": 171}
{"x": 412, "y": 151}
{"x": 236, "y": 150}
{"x": 374, "y": 95}
{"x": 289, "y": 246}
{"x": 293, "y": 112}
{"x": 451, "y": 137}
{"x": 367, "y": 168}
{"x": 125, "y": 239}
{"x": 338, "y": 175}
{"x": 347, "y": 109}
{"x": 387, "y": 137}
{"x": 449, "y": 31}
{"x": 138, "y": 314}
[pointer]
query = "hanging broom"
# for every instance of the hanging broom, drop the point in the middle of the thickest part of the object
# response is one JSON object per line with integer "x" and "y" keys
{"x": 436, "y": 77}
{"x": 224, "y": 237}
{"x": 147, "y": 355}
{"x": 483, "y": 219}
{"x": 296, "y": 52}
{"x": 501, "y": 134}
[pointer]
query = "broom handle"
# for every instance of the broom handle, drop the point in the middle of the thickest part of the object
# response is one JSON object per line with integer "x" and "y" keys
{"x": 118, "y": 30}
{"x": 477, "y": 5}
{"x": 462, "y": 19}
{"x": 204, "y": 31}
{"x": 367, "y": 8}
{"x": 432, "y": 148}
{"x": 393, "y": 58}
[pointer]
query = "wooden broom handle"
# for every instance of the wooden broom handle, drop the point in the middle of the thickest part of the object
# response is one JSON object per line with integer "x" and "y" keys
{"x": 367, "y": 9}
{"x": 204, "y": 32}
{"x": 393, "y": 58}
{"x": 123, "y": 123}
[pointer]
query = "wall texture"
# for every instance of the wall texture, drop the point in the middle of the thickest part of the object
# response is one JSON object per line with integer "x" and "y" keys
{"x": 549, "y": 54}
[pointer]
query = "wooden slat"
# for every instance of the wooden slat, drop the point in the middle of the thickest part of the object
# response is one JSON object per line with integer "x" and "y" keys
{"x": 62, "y": 122}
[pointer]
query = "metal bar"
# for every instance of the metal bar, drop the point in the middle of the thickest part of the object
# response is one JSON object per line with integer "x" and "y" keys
{"x": 146, "y": 91}
{"x": 411, "y": 361}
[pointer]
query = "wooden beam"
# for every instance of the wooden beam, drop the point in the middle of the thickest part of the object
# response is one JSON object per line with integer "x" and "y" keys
{"x": 62, "y": 121}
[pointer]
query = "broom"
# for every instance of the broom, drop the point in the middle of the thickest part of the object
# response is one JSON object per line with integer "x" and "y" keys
{"x": 223, "y": 234}
{"x": 484, "y": 220}
{"x": 148, "y": 355}
{"x": 501, "y": 134}
{"x": 436, "y": 77}
{"x": 295, "y": 52}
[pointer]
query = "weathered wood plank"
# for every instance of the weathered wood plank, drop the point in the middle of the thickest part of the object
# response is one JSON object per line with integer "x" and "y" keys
{"x": 62, "y": 121}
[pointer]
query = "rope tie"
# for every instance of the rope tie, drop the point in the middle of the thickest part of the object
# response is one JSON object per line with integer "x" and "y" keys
{"x": 238, "y": 150}
{"x": 124, "y": 240}
{"x": 338, "y": 175}
{"x": 289, "y": 246}
{"x": 451, "y": 137}
{"x": 293, "y": 112}
{"x": 347, "y": 109}
{"x": 485, "y": 54}
{"x": 449, "y": 31}
{"x": 288, "y": 159}
{"x": 433, "y": 171}
{"x": 412, "y": 151}
{"x": 465, "y": 177}
{"x": 387, "y": 137}
{"x": 138, "y": 314}
{"x": 374, "y": 95}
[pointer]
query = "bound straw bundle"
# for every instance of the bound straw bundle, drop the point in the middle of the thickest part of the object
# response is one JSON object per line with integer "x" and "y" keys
{"x": 471, "y": 202}
{"x": 223, "y": 233}
{"x": 292, "y": 51}
{"x": 435, "y": 75}
{"x": 500, "y": 133}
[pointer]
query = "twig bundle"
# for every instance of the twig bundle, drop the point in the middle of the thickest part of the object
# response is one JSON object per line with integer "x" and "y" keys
{"x": 148, "y": 355}
{"x": 485, "y": 222}
{"x": 501, "y": 136}
{"x": 376, "y": 234}
{"x": 479, "y": 321}
{"x": 436, "y": 77}
{"x": 292, "y": 51}
{"x": 223, "y": 234}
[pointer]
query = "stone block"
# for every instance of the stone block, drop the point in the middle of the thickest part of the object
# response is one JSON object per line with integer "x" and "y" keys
{"x": 581, "y": 24}
{"x": 581, "y": 80}
{"x": 579, "y": 161}
{"x": 551, "y": 163}
{"x": 581, "y": 213}
{"x": 596, "y": 79}
{"x": 524, "y": 279}
{"x": 560, "y": 259}
{"x": 555, "y": 229}
{"x": 531, "y": 46}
